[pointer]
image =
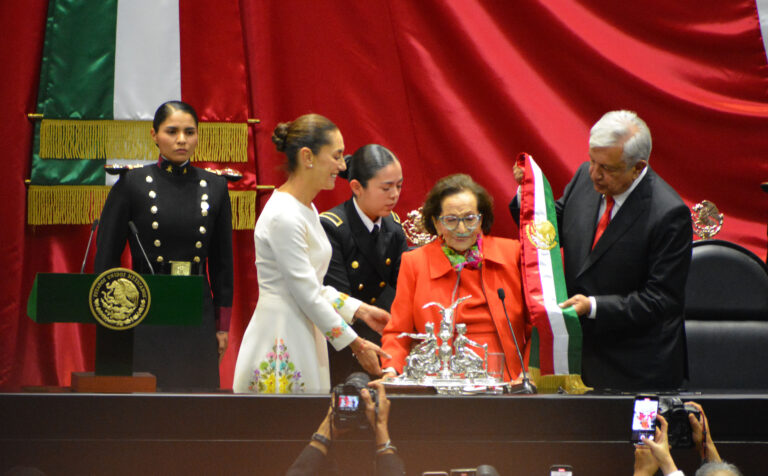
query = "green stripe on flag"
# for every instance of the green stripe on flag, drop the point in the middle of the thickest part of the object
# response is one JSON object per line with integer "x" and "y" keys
{"x": 78, "y": 66}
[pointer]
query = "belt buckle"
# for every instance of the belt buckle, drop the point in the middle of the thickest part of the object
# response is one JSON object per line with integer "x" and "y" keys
{"x": 181, "y": 268}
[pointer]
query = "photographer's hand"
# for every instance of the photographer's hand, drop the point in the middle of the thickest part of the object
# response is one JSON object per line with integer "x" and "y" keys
{"x": 324, "y": 430}
{"x": 702, "y": 436}
{"x": 660, "y": 447}
{"x": 367, "y": 353}
{"x": 379, "y": 420}
{"x": 645, "y": 463}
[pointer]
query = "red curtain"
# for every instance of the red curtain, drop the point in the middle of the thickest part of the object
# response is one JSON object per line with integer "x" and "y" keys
{"x": 449, "y": 87}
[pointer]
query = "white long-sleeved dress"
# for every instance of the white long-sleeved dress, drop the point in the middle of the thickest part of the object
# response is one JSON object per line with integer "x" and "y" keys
{"x": 283, "y": 349}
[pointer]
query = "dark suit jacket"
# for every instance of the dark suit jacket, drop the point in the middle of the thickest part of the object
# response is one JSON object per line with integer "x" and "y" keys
{"x": 637, "y": 273}
{"x": 362, "y": 268}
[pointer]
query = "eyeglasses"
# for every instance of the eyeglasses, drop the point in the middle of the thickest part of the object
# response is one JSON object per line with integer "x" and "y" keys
{"x": 451, "y": 222}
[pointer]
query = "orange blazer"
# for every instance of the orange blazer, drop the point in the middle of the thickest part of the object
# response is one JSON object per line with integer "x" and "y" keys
{"x": 426, "y": 275}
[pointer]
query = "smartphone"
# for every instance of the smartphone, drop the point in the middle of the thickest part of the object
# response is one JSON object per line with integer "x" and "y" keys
{"x": 464, "y": 472}
{"x": 644, "y": 413}
{"x": 560, "y": 470}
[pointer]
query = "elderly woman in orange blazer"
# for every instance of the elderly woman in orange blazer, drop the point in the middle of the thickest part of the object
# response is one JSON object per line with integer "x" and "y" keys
{"x": 463, "y": 261}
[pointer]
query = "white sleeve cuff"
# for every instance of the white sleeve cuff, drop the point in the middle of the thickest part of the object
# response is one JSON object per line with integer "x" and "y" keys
{"x": 592, "y": 307}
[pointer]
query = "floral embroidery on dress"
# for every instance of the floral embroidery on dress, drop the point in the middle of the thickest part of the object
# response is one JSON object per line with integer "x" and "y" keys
{"x": 339, "y": 302}
{"x": 337, "y": 331}
{"x": 276, "y": 374}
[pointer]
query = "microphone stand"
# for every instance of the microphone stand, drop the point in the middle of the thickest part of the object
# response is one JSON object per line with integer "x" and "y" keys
{"x": 88, "y": 248}
{"x": 525, "y": 387}
{"x": 135, "y": 231}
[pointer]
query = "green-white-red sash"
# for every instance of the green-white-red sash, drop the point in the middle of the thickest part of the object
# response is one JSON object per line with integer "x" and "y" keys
{"x": 557, "y": 330}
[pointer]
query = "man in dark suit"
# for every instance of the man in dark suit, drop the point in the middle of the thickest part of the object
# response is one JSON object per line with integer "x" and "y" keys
{"x": 626, "y": 239}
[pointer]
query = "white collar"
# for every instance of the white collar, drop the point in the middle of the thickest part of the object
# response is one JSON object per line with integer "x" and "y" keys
{"x": 366, "y": 221}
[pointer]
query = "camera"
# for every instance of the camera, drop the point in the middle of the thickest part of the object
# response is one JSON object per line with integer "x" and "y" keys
{"x": 679, "y": 427}
{"x": 348, "y": 405}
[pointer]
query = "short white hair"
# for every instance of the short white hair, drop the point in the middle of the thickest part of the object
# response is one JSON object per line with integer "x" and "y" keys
{"x": 713, "y": 467}
{"x": 623, "y": 128}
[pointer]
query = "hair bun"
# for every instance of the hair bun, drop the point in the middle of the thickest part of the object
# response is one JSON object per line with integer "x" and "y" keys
{"x": 280, "y": 136}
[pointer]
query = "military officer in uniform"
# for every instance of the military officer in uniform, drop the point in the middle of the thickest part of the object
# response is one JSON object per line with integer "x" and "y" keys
{"x": 184, "y": 221}
{"x": 367, "y": 241}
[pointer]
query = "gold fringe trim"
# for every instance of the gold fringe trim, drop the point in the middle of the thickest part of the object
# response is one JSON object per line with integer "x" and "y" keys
{"x": 571, "y": 384}
{"x": 65, "y": 204}
{"x": 243, "y": 209}
{"x": 85, "y": 139}
{"x": 82, "y": 204}
{"x": 222, "y": 142}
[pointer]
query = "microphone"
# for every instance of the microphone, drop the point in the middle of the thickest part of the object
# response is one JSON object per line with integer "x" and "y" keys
{"x": 88, "y": 248}
{"x": 525, "y": 386}
{"x": 135, "y": 232}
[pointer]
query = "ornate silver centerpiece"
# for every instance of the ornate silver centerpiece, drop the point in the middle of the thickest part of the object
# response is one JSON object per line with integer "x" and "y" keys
{"x": 449, "y": 368}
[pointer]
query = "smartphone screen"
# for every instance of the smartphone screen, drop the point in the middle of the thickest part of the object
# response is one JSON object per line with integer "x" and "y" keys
{"x": 347, "y": 403}
{"x": 560, "y": 470}
{"x": 644, "y": 417}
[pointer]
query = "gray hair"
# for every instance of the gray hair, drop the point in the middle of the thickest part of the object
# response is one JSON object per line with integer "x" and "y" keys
{"x": 712, "y": 468}
{"x": 626, "y": 129}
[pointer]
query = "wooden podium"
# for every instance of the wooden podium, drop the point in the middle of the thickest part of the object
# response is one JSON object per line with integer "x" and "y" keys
{"x": 64, "y": 297}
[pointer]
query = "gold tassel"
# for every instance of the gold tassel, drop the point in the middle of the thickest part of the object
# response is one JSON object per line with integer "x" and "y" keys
{"x": 571, "y": 384}
{"x": 243, "y": 209}
{"x": 222, "y": 142}
{"x": 81, "y": 204}
{"x": 86, "y": 139}
{"x": 65, "y": 204}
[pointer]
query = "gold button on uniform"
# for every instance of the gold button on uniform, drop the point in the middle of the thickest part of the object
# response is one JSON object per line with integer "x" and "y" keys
{"x": 204, "y": 197}
{"x": 388, "y": 262}
{"x": 373, "y": 300}
{"x": 382, "y": 284}
{"x": 157, "y": 243}
{"x": 149, "y": 179}
{"x": 202, "y": 230}
{"x": 360, "y": 287}
{"x": 198, "y": 245}
{"x": 152, "y": 194}
{"x": 355, "y": 265}
{"x": 153, "y": 209}
{"x": 155, "y": 225}
{"x": 197, "y": 259}
{"x": 159, "y": 259}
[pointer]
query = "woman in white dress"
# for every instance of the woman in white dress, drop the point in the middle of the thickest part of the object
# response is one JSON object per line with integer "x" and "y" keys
{"x": 283, "y": 349}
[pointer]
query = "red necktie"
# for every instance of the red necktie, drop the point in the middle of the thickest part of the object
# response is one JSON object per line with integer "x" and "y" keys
{"x": 604, "y": 220}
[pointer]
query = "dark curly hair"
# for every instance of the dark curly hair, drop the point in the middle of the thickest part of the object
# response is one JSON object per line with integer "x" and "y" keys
{"x": 309, "y": 130}
{"x": 452, "y": 185}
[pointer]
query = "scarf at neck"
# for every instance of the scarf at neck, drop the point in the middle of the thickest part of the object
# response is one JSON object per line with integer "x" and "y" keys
{"x": 471, "y": 258}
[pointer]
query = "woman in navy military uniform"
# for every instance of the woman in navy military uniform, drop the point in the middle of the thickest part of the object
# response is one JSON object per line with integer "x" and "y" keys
{"x": 184, "y": 221}
{"x": 367, "y": 241}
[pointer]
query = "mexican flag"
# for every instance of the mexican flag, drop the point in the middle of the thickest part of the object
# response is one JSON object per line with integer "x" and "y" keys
{"x": 555, "y": 359}
{"x": 106, "y": 67}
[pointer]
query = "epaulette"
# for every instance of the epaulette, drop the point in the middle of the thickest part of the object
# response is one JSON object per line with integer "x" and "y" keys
{"x": 332, "y": 217}
{"x": 395, "y": 217}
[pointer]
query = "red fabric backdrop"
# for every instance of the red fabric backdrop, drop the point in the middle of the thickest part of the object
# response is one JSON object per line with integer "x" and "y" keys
{"x": 449, "y": 87}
